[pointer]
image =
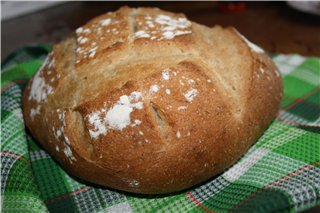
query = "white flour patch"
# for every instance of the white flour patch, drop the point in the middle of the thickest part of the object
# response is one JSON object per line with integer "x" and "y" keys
{"x": 79, "y": 30}
{"x": 40, "y": 89}
{"x": 191, "y": 94}
{"x": 134, "y": 183}
{"x": 178, "y": 134}
{"x": 105, "y": 22}
{"x": 154, "y": 88}
{"x": 137, "y": 122}
{"x": 165, "y": 75}
{"x": 117, "y": 117}
{"x": 172, "y": 27}
{"x": 163, "y": 27}
{"x": 99, "y": 126}
{"x": 34, "y": 111}
{"x": 182, "y": 108}
{"x": 61, "y": 135}
{"x": 191, "y": 81}
{"x": 82, "y": 40}
{"x": 141, "y": 34}
{"x": 67, "y": 151}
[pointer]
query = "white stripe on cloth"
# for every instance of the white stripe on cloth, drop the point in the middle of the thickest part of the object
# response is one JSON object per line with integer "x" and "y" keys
{"x": 22, "y": 203}
{"x": 316, "y": 122}
{"x": 111, "y": 197}
{"x": 243, "y": 166}
{"x": 287, "y": 63}
{"x": 296, "y": 120}
{"x": 9, "y": 103}
{"x": 120, "y": 208}
{"x": 301, "y": 185}
{"x": 271, "y": 168}
{"x": 278, "y": 135}
{"x": 14, "y": 91}
{"x": 10, "y": 127}
{"x": 7, "y": 163}
{"x": 38, "y": 155}
{"x": 307, "y": 76}
{"x": 206, "y": 191}
{"x": 17, "y": 145}
{"x": 87, "y": 201}
{"x": 18, "y": 114}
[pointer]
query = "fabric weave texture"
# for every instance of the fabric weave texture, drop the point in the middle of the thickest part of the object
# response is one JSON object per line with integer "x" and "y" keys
{"x": 280, "y": 173}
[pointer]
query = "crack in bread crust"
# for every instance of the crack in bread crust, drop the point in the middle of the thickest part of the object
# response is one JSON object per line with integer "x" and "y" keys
{"x": 160, "y": 120}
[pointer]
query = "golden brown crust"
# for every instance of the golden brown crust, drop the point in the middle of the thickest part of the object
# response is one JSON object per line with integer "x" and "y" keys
{"x": 145, "y": 101}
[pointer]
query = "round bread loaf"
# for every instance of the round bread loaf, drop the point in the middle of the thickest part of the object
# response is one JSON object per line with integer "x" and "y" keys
{"x": 146, "y": 101}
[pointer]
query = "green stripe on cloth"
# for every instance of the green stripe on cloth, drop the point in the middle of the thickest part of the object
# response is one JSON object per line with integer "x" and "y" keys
{"x": 296, "y": 87}
{"x": 280, "y": 173}
{"x": 22, "y": 203}
{"x": 25, "y": 54}
{"x": 22, "y": 71}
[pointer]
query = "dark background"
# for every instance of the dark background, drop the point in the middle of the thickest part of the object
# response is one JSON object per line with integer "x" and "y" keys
{"x": 272, "y": 25}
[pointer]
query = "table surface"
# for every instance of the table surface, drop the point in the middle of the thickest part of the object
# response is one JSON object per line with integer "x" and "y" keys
{"x": 272, "y": 25}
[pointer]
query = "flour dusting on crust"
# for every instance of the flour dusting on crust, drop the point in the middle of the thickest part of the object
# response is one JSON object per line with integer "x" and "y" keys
{"x": 165, "y": 74}
{"x": 98, "y": 35}
{"x": 117, "y": 117}
{"x": 191, "y": 94}
{"x": 60, "y": 135}
{"x": 162, "y": 27}
{"x": 41, "y": 88}
{"x": 154, "y": 88}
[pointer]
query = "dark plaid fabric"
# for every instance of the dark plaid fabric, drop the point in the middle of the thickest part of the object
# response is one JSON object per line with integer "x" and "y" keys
{"x": 280, "y": 173}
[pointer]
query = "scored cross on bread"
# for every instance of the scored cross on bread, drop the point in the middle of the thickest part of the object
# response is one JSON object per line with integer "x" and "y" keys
{"x": 146, "y": 101}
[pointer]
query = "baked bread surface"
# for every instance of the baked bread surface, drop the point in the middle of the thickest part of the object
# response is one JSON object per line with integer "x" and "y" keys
{"x": 146, "y": 101}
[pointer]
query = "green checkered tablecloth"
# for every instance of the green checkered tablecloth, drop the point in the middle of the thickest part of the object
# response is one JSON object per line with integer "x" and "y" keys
{"x": 280, "y": 173}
